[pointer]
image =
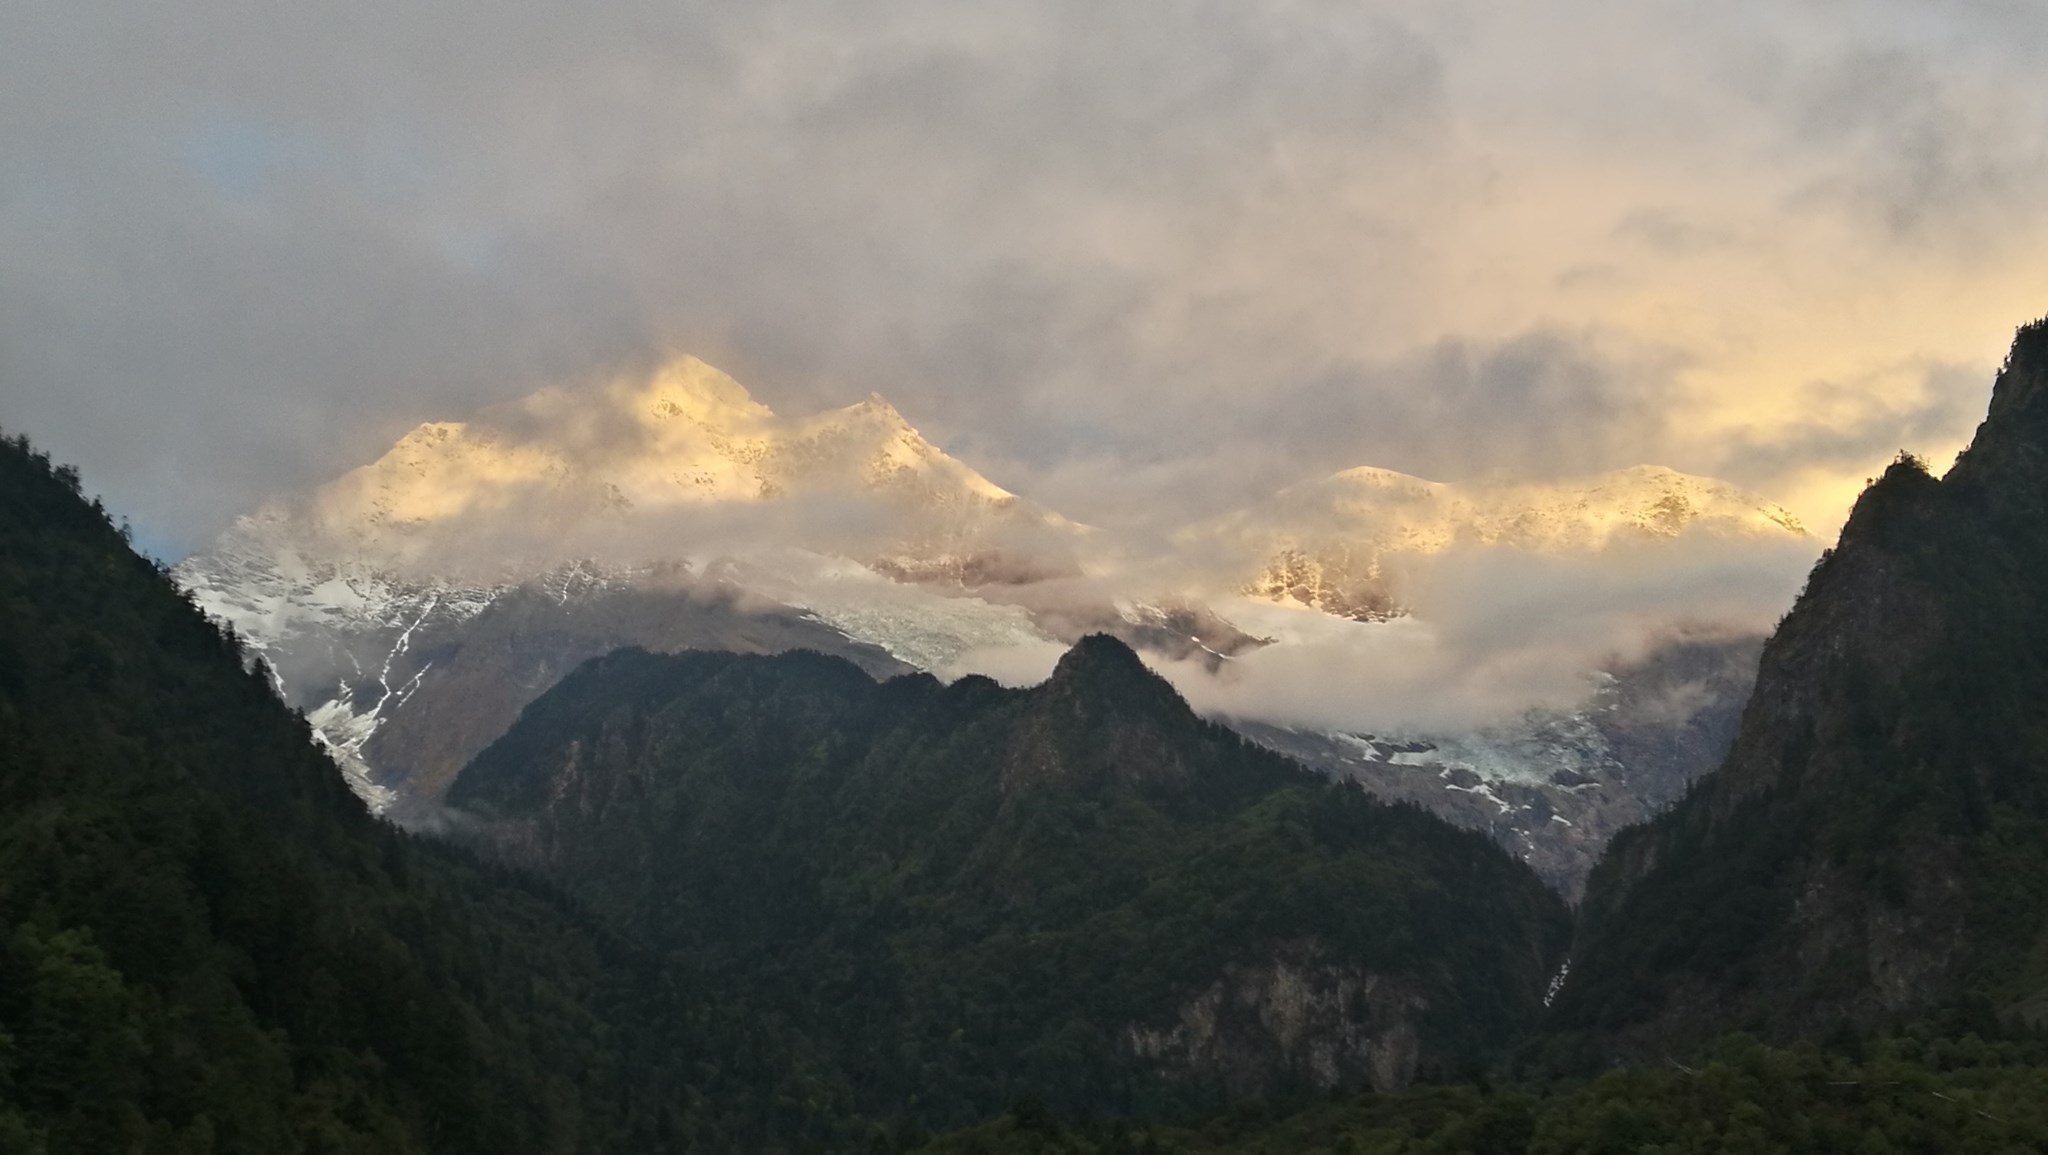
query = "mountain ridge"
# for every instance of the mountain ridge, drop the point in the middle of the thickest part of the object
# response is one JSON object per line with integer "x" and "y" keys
{"x": 1150, "y": 904}
{"x": 688, "y": 437}
{"x": 1870, "y": 852}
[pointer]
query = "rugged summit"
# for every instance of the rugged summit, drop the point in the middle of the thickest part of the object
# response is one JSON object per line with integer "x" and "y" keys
{"x": 1101, "y": 717}
{"x": 1554, "y": 782}
{"x": 1875, "y": 847}
{"x": 562, "y": 473}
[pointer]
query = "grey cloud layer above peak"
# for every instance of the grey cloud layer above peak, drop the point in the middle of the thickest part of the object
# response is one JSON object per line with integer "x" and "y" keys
{"x": 1138, "y": 262}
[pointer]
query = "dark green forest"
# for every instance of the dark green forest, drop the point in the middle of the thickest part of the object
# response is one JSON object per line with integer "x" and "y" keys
{"x": 968, "y": 893}
{"x": 1921, "y": 1094}
{"x": 208, "y": 944}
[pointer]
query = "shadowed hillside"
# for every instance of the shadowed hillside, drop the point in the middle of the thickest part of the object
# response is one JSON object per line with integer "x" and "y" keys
{"x": 1079, "y": 891}
{"x": 1875, "y": 848}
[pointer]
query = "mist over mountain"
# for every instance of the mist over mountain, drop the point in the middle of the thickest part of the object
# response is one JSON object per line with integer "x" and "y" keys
{"x": 679, "y": 465}
{"x": 1860, "y": 884}
{"x": 1338, "y": 543}
{"x": 412, "y": 606}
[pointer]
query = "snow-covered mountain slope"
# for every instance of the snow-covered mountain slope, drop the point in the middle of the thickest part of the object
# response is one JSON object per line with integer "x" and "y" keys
{"x": 1553, "y": 785}
{"x": 405, "y": 676}
{"x": 413, "y": 605}
{"x": 683, "y": 463}
{"x": 1336, "y": 543}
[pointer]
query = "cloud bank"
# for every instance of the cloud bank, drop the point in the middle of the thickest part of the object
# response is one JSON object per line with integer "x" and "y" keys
{"x": 1495, "y": 633}
{"x": 1136, "y": 262}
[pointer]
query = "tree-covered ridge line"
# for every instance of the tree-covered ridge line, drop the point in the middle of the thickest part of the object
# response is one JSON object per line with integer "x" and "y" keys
{"x": 208, "y": 945}
{"x": 1079, "y": 891}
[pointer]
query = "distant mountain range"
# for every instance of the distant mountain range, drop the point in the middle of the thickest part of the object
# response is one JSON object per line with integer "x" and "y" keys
{"x": 414, "y": 605}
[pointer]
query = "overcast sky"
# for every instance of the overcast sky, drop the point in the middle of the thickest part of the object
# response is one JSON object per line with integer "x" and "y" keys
{"x": 1134, "y": 260}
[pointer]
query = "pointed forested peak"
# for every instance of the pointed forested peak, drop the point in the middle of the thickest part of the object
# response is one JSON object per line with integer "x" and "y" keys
{"x": 1104, "y": 672}
{"x": 1099, "y": 652}
{"x": 1104, "y": 717}
{"x": 2010, "y": 450}
{"x": 1044, "y": 886}
{"x": 2023, "y": 381}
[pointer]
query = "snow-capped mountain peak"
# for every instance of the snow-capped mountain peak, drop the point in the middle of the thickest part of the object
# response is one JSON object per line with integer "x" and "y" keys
{"x": 690, "y": 390}
{"x": 359, "y": 593}
{"x": 554, "y": 468}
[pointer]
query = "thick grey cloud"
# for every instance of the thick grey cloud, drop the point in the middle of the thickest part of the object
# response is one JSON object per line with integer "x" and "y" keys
{"x": 1499, "y": 632}
{"x": 1137, "y": 260}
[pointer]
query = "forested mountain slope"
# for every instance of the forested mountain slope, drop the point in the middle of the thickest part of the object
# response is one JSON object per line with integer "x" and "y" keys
{"x": 208, "y": 945}
{"x": 1875, "y": 848}
{"x": 1079, "y": 891}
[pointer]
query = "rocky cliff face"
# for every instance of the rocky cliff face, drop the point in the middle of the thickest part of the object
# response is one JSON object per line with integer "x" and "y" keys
{"x": 1872, "y": 849}
{"x": 1327, "y": 1025}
